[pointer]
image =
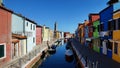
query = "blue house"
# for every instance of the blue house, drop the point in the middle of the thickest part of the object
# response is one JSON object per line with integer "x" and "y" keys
{"x": 105, "y": 34}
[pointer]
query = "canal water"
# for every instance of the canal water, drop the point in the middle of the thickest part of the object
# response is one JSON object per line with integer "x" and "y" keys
{"x": 58, "y": 59}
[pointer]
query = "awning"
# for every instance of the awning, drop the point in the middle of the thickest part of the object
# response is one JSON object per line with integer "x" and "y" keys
{"x": 15, "y": 40}
{"x": 18, "y": 36}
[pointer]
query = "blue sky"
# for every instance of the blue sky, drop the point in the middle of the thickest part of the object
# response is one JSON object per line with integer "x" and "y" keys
{"x": 67, "y": 13}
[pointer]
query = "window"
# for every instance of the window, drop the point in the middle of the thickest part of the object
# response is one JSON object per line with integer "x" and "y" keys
{"x": 94, "y": 28}
{"x": 31, "y": 26}
{"x": 114, "y": 24}
{"x": 118, "y": 24}
{"x": 26, "y": 23}
{"x": 110, "y": 45}
{"x": 33, "y": 40}
{"x": 2, "y": 50}
{"x": 110, "y": 33}
{"x": 110, "y": 26}
{"x": 101, "y": 42}
{"x": 101, "y": 27}
{"x": 116, "y": 48}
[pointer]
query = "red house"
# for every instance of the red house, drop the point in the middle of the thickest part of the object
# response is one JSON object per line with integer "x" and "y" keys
{"x": 5, "y": 35}
{"x": 92, "y": 17}
{"x": 38, "y": 35}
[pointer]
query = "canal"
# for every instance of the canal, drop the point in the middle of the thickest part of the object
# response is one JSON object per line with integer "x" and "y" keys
{"x": 58, "y": 59}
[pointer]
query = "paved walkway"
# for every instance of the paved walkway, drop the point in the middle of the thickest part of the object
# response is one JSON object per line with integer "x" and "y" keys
{"x": 20, "y": 62}
{"x": 100, "y": 60}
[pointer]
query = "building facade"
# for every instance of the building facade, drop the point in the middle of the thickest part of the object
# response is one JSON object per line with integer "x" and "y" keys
{"x": 30, "y": 32}
{"x": 38, "y": 35}
{"x": 5, "y": 35}
{"x": 106, "y": 32}
{"x": 96, "y": 41}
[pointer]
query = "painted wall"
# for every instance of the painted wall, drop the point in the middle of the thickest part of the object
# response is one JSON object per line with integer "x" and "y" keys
{"x": 116, "y": 38}
{"x": 5, "y": 34}
{"x": 116, "y": 15}
{"x": 96, "y": 41}
{"x": 23, "y": 47}
{"x": 30, "y": 32}
{"x": 18, "y": 27}
{"x": 17, "y": 24}
{"x": 96, "y": 32}
{"x": 116, "y": 56}
{"x": 38, "y": 35}
{"x": 105, "y": 15}
{"x": 93, "y": 17}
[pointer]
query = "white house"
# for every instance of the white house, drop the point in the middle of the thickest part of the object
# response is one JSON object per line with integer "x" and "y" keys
{"x": 30, "y": 32}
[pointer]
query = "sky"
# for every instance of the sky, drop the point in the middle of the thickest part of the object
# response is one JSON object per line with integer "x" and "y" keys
{"x": 67, "y": 13}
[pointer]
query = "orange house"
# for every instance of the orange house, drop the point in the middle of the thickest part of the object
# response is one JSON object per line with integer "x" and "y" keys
{"x": 5, "y": 35}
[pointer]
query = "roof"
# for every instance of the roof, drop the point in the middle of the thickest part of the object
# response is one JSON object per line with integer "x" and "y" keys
{"x": 4, "y": 8}
{"x": 39, "y": 26}
{"x": 30, "y": 20}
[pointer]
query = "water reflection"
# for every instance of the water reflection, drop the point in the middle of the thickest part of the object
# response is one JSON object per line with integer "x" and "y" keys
{"x": 58, "y": 60}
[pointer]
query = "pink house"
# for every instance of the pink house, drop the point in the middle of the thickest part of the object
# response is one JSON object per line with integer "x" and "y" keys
{"x": 38, "y": 35}
{"x": 5, "y": 35}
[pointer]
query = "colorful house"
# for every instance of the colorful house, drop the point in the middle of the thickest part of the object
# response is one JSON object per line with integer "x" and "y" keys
{"x": 106, "y": 32}
{"x": 19, "y": 40}
{"x": 30, "y": 32}
{"x": 38, "y": 35}
{"x": 86, "y": 32}
{"x": 18, "y": 45}
{"x": 92, "y": 17}
{"x": 51, "y": 34}
{"x": 45, "y": 33}
{"x": 96, "y": 41}
{"x": 116, "y": 36}
{"x": 5, "y": 35}
{"x": 80, "y": 31}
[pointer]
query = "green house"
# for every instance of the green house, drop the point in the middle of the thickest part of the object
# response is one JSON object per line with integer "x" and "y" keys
{"x": 96, "y": 40}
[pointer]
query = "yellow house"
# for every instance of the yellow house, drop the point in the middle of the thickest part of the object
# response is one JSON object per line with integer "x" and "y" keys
{"x": 116, "y": 38}
{"x": 45, "y": 33}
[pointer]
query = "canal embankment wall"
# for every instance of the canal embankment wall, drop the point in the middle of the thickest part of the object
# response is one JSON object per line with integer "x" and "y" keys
{"x": 91, "y": 59}
{"x": 28, "y": 60}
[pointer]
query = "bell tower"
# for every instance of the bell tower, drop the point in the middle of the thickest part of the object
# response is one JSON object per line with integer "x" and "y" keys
{"x": 55, "y": 29}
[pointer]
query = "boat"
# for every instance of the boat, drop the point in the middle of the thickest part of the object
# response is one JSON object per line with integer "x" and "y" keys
{"x": 51, "y": 51}
{"x": 69, "y": 55}
{"x": 53, "y": 46}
